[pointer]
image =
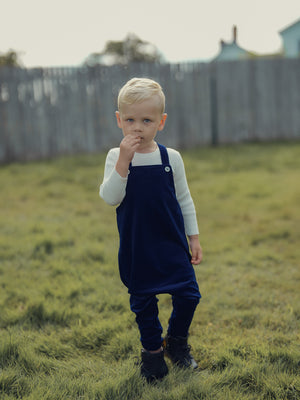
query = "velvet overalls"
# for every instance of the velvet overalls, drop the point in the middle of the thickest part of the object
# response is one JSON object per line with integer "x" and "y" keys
{"x": 154, "y": 254}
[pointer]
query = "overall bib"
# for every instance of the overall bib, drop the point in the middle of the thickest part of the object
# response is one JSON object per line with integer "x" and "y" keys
{"x": 154, "y": 254}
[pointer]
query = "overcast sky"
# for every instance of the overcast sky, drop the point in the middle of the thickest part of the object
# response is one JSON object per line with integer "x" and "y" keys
{"x": 65, "y": 32}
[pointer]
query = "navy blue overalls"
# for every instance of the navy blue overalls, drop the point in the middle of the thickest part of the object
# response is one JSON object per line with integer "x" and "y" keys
{"x": 154, "y": 254}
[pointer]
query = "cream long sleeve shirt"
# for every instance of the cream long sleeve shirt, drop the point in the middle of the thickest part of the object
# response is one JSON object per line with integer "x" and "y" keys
{"x": 113, "y": 187}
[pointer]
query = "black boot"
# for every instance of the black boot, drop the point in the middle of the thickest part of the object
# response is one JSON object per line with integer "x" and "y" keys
{"x": 153, "y": 365}
{"x": 178, "y": 350}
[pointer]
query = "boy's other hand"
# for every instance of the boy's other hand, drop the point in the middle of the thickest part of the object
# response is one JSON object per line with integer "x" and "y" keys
{"x": 196, "y": 249}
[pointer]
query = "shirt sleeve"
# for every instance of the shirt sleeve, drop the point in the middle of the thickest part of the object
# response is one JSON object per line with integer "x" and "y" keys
{"x": 113, "y": 188}
{"x": 183, "y": 193}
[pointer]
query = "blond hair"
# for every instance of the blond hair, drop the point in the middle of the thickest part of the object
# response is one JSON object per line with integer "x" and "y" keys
{"x": 137, "y": 90}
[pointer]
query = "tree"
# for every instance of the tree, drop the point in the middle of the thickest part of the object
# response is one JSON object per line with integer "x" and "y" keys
{"x": 10, "y": 59}
{"x": 131, "y": 49}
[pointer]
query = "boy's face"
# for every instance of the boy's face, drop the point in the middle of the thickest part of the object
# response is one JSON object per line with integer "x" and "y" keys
{"x": 142, "y": 119}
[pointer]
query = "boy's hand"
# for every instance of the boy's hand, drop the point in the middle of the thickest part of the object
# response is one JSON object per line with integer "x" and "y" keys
{"x": 128, "y": 147}
{"x": 196, "y": 249}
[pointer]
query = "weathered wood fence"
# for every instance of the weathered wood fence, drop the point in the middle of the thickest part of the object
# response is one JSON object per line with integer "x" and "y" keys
{"x": 47, "y": 112}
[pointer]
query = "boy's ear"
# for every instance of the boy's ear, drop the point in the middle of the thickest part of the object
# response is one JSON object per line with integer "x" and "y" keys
{"x": 118, "y": 119}
{"x": 162, "y": 121}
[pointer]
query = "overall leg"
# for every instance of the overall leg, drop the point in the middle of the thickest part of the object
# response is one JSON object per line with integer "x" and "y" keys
{"x": 146, "y": 311}
{"x": 182, "y": 315}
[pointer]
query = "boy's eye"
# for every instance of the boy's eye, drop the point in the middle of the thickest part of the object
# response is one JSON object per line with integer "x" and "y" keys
{"x": 146, "y": 120}
{"x": 129, "y": 119}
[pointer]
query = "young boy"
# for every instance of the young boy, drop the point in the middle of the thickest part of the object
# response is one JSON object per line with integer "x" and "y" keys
{"x": 154, "y": 215}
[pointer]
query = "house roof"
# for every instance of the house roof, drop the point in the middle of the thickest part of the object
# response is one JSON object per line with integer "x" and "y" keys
{"x": 291, "y": 26}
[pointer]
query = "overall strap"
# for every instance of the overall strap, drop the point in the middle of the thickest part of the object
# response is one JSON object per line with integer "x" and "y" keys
{"x": 164, "y": 154}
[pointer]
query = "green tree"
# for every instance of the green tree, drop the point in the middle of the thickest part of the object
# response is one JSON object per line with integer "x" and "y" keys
{"x": 131, "y": 49}
{"x": 10, "y": 59}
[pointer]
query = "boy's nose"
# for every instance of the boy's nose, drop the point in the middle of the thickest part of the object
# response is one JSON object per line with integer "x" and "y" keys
{"x": 137, "y": 127}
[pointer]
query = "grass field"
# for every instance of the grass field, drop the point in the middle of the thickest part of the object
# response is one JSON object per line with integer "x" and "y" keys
{"x": 65, "y": 325}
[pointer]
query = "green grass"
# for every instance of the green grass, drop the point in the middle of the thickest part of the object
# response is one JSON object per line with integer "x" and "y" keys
{"x": 65, "y": 325}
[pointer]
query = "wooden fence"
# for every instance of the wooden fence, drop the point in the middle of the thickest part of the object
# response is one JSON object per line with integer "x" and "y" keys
{"x": 48, "y": 112}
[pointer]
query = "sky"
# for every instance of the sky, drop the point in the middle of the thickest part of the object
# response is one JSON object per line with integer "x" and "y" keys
{"x": 64, "y": 32}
